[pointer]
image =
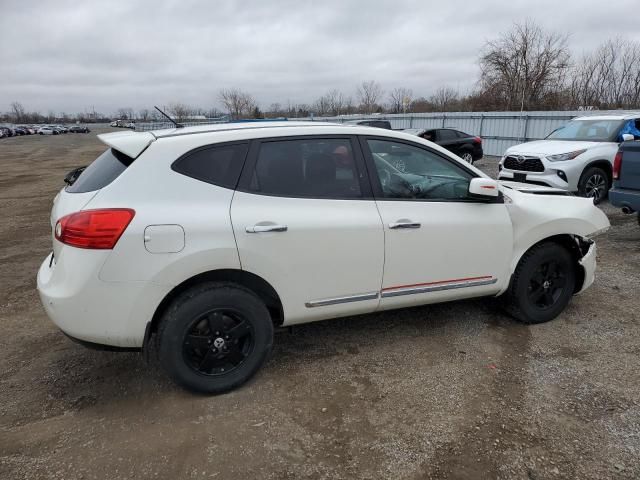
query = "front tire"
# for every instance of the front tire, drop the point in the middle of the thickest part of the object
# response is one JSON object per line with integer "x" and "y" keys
{"x": 542, "y": 284}
{"x": 214, "y": 337}
{"x": 594, "y": 183}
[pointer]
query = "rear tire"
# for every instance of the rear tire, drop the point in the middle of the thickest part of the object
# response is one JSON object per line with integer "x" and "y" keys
{"x": 542, "y": 284}
{"x": 467, "y": 157}
{"x": 214, "y": 337}
{"x": 594, "y": 183}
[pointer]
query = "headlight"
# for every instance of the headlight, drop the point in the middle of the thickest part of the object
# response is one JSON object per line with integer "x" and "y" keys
{"x": 565, "y": 156}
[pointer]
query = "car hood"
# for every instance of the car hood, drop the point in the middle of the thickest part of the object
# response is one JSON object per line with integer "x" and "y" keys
{"x": 549, "y": 147}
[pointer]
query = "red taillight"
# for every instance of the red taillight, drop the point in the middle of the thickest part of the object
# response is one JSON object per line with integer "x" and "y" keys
{"x": 96, "y": 229}
{"x": 477, "y": 140}
{"x": 617, "y": 165}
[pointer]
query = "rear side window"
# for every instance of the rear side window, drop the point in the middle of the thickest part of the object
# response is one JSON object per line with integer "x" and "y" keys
{"x": 316, "y": 168}
{"x": 104, "y": 170}
{"x": 220, "y": 165}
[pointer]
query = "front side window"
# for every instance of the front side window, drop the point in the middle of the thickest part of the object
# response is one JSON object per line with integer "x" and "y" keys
{"x": 447, "y": 135}
{"x": 408, "y": 172}
{"x": 315, "y": 168}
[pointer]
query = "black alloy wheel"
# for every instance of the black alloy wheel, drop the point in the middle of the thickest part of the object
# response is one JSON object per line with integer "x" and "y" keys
{"x": 542, "y": 285}
{"x": 547, "y": 284}
{"x": 218, "y": 342}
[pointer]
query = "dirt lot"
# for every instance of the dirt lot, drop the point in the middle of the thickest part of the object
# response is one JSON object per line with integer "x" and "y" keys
{"x": 447, "y": 391}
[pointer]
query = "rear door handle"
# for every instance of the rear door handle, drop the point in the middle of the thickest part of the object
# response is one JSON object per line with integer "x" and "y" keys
{"x": 266, "y": 228}
{"x": 397, "y": 225}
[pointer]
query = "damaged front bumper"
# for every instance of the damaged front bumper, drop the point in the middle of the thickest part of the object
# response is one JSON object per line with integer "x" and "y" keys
{"x": 588, "y": 264}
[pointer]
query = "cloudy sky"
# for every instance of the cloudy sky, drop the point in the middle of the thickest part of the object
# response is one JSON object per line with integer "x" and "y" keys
{"x": 73, "y": 55}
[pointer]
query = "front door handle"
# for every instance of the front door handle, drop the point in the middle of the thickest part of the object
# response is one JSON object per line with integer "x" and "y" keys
{"x": 266, "y": 228}
{"x": 397, "y": 225}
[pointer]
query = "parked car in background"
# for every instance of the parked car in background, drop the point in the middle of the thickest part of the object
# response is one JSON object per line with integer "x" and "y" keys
{"x": 8, "y": 131}
{"x": 2, "y": 134}
{"x": 79, "y": 129}
{"x": 20, "y": 131}
{"x": 47, "y": 131}
{"x": 626, "y": 178}
{"x": 144, "y": 263}
{"x": 577, "y": 157}
{"x": 468, "y": 147}
{"x": 372, "y": 123}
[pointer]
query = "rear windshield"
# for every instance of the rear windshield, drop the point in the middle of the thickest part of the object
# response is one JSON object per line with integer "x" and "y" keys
{"x": 104, "y": 170}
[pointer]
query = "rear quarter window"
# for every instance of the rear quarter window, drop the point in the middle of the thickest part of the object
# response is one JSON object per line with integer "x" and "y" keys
{"x": 219, "y": 165}
{"x": 104, "y": 170}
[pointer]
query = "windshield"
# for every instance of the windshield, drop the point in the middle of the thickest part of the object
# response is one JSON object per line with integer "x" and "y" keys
{"x": 588, "y": 130}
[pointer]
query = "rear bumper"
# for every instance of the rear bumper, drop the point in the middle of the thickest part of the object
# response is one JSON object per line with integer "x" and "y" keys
{"x": 624, "y": 197}
{"x": 91, "y": 310}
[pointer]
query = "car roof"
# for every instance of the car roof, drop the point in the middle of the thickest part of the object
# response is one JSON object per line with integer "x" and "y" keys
{"x": 612, "y": 116}
{"x": 133, "y": 143}
{"x": 218, "y": 127}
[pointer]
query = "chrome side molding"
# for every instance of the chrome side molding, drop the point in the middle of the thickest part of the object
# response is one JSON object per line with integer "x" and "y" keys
{"x": 337, "y": 300}
{"x": 396, "y": 292}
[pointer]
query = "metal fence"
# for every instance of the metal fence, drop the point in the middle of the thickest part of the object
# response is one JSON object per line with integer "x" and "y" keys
{"x": 499, "y": 130}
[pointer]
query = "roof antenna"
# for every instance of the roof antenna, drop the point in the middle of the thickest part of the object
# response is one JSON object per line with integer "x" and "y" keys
{"x": 178, "y": 125}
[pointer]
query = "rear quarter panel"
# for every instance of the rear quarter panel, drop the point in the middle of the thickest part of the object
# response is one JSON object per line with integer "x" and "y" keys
{"x": 161, "y": 196}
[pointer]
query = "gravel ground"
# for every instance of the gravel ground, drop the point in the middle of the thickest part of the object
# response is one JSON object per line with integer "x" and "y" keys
{"x": 446, "y": 391}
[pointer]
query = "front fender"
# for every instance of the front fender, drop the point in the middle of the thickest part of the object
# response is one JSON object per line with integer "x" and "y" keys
{"x": 538, "y": 217}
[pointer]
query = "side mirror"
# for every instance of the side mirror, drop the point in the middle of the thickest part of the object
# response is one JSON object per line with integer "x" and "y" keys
{"x": 627, "y": 137}
{"x": 483, "y": 187}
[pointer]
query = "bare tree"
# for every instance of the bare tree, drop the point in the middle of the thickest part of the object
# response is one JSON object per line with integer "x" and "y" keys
{"x": 125, "y": 113}
{"x": 321, "y": 106}
{"x": 608, "y": 77}
{"x": 369, "y": 93}
{"x": 144, "y": 115}
{"x": 524, "y": 65}
{"x": 336, "y": 101}
{"x": 180, "y": 111}
{"x": 237, "y": 102}
{"x": 444, "y": 99}
{"x": 400, "y": 99}
{"x": 17, "y": 112}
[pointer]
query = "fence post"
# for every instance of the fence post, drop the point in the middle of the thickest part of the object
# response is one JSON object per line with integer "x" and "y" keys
{"x": 481, "y": 122}
{"x": 526, "y": 126}
{"x": 443, "y": 119}
{"x": 410, "y": 121}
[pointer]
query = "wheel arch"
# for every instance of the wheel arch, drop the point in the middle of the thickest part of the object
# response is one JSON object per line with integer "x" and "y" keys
{"x": 600, "y": 163}
{"x": 575, "y": 244}
{"x": 253, "y": 282}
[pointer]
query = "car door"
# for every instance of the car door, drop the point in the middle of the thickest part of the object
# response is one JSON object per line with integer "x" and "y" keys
{"x": 305, "y": 220}
{"x": 448, "y": 139}
{"x": 439, "y": 243}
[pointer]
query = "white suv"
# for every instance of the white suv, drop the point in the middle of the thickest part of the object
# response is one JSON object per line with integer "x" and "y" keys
{"x": 577, "y": 157}
{"x": 205, "y": 238}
